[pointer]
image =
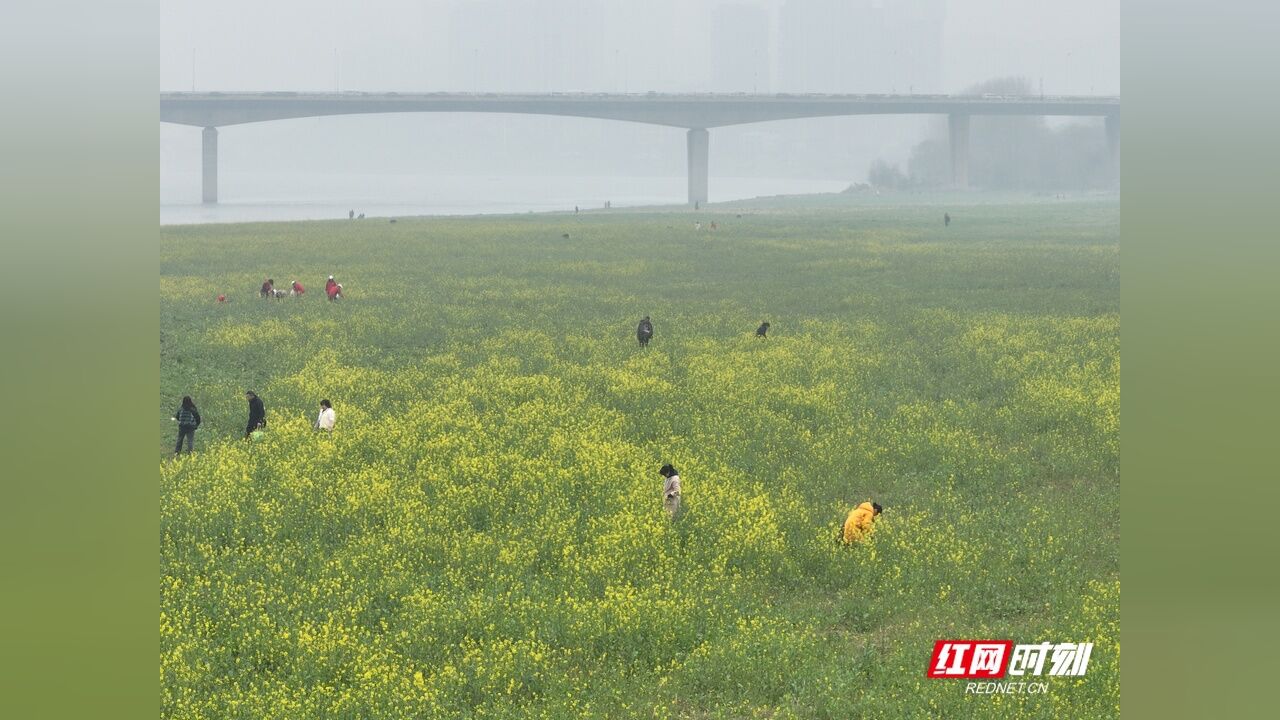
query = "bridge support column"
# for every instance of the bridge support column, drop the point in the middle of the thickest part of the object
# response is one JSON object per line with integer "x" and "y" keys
{"x": 209, "y": 166}
{"x": 959, "y": 127}
{"x": 1113, "y": 142}
{"x": 699, "y": 140}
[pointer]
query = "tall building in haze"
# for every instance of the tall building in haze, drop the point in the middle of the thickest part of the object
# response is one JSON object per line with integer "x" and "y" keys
{"x": 860, "y": 46}
{"x": 740, "y": 56}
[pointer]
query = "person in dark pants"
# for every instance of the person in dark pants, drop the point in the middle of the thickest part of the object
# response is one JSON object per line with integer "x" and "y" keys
{"x": 946, "y": 219}
{"x": 670, "y": 490}
{"x": 644, "y": 331}
{"x": 188, "y": 419}
{"x": 257, "y": 413}
{"x": 763, "y": 330}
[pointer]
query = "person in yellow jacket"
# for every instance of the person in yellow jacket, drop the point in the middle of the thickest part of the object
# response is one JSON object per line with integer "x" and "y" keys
{"x": 858, "y": 525}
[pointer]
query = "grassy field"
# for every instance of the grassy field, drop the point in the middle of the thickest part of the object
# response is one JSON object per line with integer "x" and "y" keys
{"x": 483, "y": 536}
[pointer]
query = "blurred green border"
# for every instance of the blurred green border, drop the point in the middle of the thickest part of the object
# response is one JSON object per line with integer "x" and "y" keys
{"x": 1199, "y": 384}
{"x": 80, "y": 513}
{"x": 1200, "y": 247}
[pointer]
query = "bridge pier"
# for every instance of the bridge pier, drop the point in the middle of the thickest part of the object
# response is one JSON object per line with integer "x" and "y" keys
{"x": 958, "y": 125}
{"x": 699, "y": 140}
{"x": 209, "y": 166}
{"x": 1113, "y": 142}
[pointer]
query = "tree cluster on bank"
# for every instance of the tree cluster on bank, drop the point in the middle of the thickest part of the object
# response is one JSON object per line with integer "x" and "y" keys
{"x": 1016, "y": 152}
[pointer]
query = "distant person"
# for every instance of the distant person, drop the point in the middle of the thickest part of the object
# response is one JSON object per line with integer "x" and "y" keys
{"x": 695, "y": 205}
{"x": 326, "y": 419}
{"x": 763, "y": 330}
{"x": 351, "y": 214}
{"x": 360, "y": 216}
{"x": 714, "y": 226}
{"x": 644, "y": 331}
{"x": 859, "y": 523}
{"x": 222, "y": 298}
{"x": 670, "y": 490}
{"x": 946, "y": 219}
{"x": 268, "y": 288}
{"x": 257, "y": 413}
{"x": 332, "y": 289}
{"x": 188, "y": 419}
{"x": 697, "y": 225}
{"x": 575, "y": 209}
{"x": 297, "y": 289}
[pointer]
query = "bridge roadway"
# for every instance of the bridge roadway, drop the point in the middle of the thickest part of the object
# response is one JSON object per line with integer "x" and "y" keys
{"x": 697, "y": 113}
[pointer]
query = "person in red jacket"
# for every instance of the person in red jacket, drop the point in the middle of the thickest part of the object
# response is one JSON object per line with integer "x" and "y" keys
{"x": 332, "y": 289}
{"x": 297, "y": 289}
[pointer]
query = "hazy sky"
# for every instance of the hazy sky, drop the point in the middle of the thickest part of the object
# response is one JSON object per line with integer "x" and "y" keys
{"x": 404, "y": 45}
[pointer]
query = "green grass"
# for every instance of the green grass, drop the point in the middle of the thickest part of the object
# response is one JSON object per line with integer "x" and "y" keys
{"x": 483, "y": 535}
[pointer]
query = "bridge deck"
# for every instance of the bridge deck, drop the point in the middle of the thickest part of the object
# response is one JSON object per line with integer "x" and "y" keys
{"x": 211, "y": 109}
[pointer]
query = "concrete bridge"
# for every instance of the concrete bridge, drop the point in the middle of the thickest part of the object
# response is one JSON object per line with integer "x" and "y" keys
{"x": 696, "y": 113}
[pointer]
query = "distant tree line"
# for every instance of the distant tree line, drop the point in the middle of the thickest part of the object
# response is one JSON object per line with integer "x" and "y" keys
{"x": 1016, "y": 152}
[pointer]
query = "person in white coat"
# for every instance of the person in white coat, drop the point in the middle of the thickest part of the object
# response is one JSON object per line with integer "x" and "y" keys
{"x": 327, "y": 418}
{"x": 670, "y": 490}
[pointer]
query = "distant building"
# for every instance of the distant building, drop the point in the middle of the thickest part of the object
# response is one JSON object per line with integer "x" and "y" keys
{"x": 860, "y": 46}
{"x": 740, "y": 53}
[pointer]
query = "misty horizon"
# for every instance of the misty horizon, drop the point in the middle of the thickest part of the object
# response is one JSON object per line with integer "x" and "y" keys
{"x": 543, "y": 46}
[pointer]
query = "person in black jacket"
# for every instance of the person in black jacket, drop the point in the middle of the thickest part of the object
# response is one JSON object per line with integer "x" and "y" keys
{"x": 257, "y": 413}
{"x": 644, "y": 331}
{"x": 188, "y": 419}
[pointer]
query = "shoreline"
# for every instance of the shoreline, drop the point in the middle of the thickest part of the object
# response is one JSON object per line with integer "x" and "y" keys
{"x": 777, "y": 203}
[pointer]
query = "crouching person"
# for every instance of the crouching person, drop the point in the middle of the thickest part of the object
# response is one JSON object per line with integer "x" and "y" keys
{"x": 860, "y": 522}
{"x": 670, "y": 490}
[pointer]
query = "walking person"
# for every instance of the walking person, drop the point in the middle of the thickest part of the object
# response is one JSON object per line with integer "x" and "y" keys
{"x": 188, "y": 419}
{"x": 326, "y": 419}
{"x": 644, "y": 331}
{"x": 257, "y": 413}
{"x": 670, "y": 490}
{"x": 946, "y": 219}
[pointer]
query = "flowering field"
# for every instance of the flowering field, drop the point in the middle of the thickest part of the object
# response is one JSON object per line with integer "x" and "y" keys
{"x": 483, "y": 535}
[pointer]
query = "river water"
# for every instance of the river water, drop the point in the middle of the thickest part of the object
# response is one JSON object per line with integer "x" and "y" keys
{"x": 260, "y": 197}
